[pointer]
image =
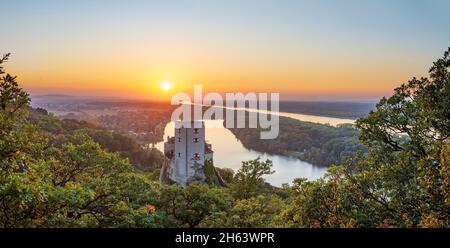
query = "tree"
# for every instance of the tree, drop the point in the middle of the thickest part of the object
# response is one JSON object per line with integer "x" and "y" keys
{"x": 227, "y": 174}
{"x": 249, "y": 178}
{"x": 403, "y": 179}
{"x": 75, "y": 184}
{"x": 260, "y": 211}
{"x": 412, "y": 127}
{"x": 188, "y": 207}
{"x": 15, "y": 131}
{"x": 20, "y": 193}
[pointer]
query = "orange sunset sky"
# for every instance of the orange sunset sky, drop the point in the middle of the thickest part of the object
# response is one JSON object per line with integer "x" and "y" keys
{"x": 306, "y": 50}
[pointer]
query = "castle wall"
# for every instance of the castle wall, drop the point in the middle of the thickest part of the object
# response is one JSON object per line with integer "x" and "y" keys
{"x": 189, "y": 155}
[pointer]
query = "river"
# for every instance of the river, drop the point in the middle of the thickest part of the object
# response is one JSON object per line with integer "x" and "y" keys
{"x": 229, "y": 151}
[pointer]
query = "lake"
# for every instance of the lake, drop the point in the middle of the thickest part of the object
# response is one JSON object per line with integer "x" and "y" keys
{"x": 229, "y": 151}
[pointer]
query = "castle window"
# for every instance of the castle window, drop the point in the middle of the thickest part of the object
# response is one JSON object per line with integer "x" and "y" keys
{"x": 179, "y": 154}
{"x": 196, "y": 130}
{"x": 195, "y": 140}
{"x": 179, "y": 130}
{"x": 179, "y": 139}
{"x": 196, "y": 156}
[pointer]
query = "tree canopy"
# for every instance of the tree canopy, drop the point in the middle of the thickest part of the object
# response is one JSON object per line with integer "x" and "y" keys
{"x": 56, "y": 173}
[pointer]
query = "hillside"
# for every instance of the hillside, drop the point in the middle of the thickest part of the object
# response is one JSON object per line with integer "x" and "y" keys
{"x": 321, "y": 145}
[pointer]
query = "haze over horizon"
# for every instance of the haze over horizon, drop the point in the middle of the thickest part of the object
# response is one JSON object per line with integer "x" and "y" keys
{"x": 63, "y": 94}
{"x": 306, "y": 50}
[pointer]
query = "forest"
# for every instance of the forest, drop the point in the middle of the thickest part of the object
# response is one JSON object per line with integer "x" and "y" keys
{"x": 72, "y": 174}
{"x": 318, "y": 144}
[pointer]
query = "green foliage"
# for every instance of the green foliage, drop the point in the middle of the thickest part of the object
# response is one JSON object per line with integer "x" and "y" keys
{"x": 257, "y": 212}
{"x": 12, "y": 98}
{"x": 72, "y": 174}
{"x": 73, "y": 184}
{"x": 321, "y": 145}
{"x": 208, "y": 168}
{"x": 403, "y": 180}
{"x": 249, "y": 178}
{"x": 62, "y": 131}
{"x": 78, "y": 185}
{"x": 212, "y": 174}
{"x": 188, "y": 207}
{"x": 226, "y": 174}
{"x": 15, "y": 132}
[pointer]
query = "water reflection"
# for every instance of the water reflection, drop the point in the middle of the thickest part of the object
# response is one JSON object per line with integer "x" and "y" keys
{"x": 229, "y": 153}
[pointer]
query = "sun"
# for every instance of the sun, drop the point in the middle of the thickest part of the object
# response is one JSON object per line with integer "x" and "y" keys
{"x": 166, "y": 85}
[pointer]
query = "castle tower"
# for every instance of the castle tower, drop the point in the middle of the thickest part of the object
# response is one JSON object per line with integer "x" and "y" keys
{"x": 186, "y": 154}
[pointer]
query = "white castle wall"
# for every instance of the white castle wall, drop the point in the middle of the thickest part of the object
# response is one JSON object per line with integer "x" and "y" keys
{"x": 189, "y": 155}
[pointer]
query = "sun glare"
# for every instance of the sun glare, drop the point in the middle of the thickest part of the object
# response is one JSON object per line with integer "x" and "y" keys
{"x": 166, "y": 86}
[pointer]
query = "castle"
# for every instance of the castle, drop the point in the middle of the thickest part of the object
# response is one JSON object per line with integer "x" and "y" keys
{"x": 186, "y": 154}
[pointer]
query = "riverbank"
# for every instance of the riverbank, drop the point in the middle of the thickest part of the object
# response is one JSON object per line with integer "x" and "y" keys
{"x": 318, "y": 144}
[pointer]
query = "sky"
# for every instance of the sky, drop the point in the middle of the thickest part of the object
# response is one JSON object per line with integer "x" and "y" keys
{"x": 305, "y": 50}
